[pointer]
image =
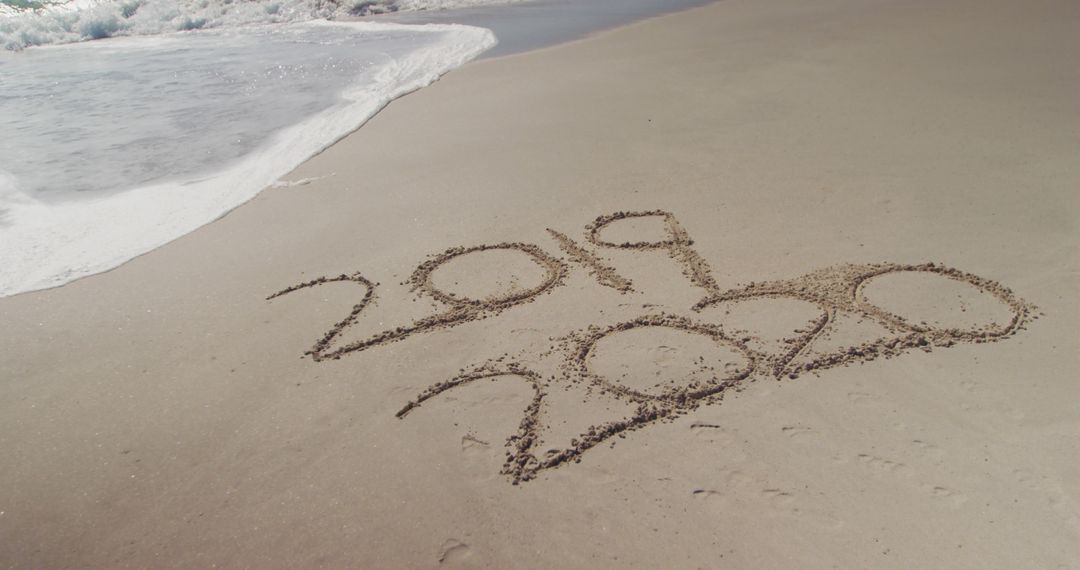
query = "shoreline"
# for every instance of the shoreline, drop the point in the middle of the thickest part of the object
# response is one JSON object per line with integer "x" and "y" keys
{"x": 757, "y": 162}
{"x": 541, "y": 24}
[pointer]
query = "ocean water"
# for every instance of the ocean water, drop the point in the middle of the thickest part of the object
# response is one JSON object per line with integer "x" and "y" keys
{"x": 125, "y": 124}
{"x": 25, "y": 23}
{"x": 126, "y": 113}
{"x": 536, "y": 24}
{"x": 111, "y": 148}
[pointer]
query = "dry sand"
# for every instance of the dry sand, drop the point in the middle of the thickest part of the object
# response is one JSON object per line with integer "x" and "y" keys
{"x": 657, "y": 298}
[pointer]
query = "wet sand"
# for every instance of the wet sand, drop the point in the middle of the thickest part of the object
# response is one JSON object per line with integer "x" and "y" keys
{"x": 756, "y": 285}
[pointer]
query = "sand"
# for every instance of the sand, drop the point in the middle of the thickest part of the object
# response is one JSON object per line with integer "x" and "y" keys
{"x": 755, "y": 285}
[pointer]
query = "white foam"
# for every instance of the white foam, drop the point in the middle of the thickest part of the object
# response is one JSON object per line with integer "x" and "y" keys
{"x": 446, "y": 4}
{"x": 65, "y": 21}
{"x": 48, "y": 243}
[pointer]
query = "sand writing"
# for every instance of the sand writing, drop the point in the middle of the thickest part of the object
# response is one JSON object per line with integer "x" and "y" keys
{"x": 837, "y": 292}
{"x": 678, "y": 245}
{"x": 461, "y": 309}
{"x": 605, "y": 275}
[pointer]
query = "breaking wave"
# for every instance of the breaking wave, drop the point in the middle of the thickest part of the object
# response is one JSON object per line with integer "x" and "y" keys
{"x": 25, "y": 23}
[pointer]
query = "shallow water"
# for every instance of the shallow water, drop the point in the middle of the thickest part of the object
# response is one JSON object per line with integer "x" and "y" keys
{"x": 114, "y": 115}
{"x": 65, "y": 21}
{"x": 111, "y": 148}
{"x": 526, "y": 26}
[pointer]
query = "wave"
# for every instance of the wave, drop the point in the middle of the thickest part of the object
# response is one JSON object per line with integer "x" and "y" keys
{"x": 47, "y": 242}
{"x": 25, "y": 23}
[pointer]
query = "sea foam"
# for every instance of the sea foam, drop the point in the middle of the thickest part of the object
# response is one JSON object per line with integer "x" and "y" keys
{"x": 44, "y": 22}
{"x": 166, "y": 133}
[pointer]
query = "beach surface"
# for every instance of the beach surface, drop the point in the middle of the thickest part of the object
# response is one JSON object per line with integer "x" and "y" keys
{"x": 214, "y": 403}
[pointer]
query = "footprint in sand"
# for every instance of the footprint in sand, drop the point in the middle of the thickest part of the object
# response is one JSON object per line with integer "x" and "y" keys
{"x": 862, "y": 398}
{"x": 927, "y": 449}
{"x": 712, "y": 433}
{"x": 715, "y": 498}
{"x": 882, "y": 465}
{"x": 778, "y": 497}
{"x": 950, "y": 496}
{"x": 528, "y": 333}
{"x": 775, "y": 498}
{"x": 770, "y": 500}
{"x": 471, "y": 444}
{"x": 798, "y": 432}
{"x": 662, "y": 355}
{"x": 453, "y": 552}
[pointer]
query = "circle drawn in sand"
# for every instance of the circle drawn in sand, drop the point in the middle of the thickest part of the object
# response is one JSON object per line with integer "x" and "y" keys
{"x": 928, "y": 300}
{"x": 671, "y": 361}
{"x": 554, "y": 270}
{"x": 490, "y": 275}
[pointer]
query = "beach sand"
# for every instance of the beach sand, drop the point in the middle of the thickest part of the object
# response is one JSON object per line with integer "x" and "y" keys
{"x": 167, "y": 414}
